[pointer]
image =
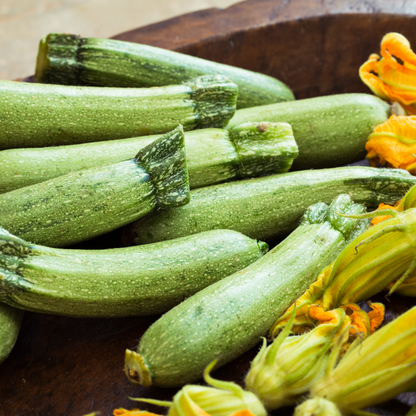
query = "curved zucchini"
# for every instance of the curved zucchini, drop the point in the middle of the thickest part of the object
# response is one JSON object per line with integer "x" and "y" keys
{"x": 72, "y": 60}
{"x": 36, "y": 115}
{"x": 329, "y": 131}
{"x": 128, "y": 281}
{"x": 269, "y": 207}
{"x": 212, "y": 155}
{"x": 10, "y": 322}
{"x": 81, "y": 205}
{"x": 229, "y": 317}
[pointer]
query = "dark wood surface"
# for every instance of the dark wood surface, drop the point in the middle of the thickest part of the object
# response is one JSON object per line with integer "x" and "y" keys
{"x": 69, "y": 366}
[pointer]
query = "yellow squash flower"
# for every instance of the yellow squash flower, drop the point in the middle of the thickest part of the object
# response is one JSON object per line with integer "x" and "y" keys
{"x": 392, "y": 76}
{"x": 383, "y": 254}
{"x": 317, "y": 407}
{"x": 285, "y": 370}
{"x": 223, "y": 399}
{"x": 376, "y": 370}
{"x": 393, "y": 143}
{"x": 408, "y": 287}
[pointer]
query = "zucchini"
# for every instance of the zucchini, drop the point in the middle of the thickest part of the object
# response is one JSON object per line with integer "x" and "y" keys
{"x": 330, "y": 131}
{"x": 36, "y": 115}
{"x": 213, "y": 156}
{"x": 72, "y": 60}
{"x": 229, "y": 317}
{"x": 10, "y": 322}
{"x": 128, "y": 281}
{"x": 81, "y": 205}
{"x": 270, "y": 207}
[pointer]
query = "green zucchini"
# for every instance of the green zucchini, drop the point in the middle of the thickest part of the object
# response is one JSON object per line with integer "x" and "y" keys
{"x": 84, "y": 204}
{"x": 143, "y": 280}
{"x": 36, "y": 115}
{"x": 213, "y": 156}
{"x": 10, "y": 321}
{"x": 229, "y": 317}
{"x": 330, "y": 131}
{"x": 72, "y": 60}
{"x": 270, "y": 207}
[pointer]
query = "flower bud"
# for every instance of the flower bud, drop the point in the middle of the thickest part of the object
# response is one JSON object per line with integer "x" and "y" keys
{"x": 317, "y": 407}
{"x": 223, "y": 399}
{"x": 378, "y": 369}
{"x": 286, "y": 369}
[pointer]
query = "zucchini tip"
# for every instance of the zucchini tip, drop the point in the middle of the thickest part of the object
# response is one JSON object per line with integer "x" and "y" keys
{"x": 136, "y": 369}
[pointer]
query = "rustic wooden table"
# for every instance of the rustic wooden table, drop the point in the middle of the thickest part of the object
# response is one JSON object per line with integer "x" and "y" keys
{"x": 68, "y": 366}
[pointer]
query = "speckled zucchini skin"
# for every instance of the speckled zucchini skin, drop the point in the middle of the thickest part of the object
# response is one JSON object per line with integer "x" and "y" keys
{"x": 270, "y": 207}
{"x": 72, "y": 60}
{"x": 36, "y": 115}
{"x": 213, "y": 156}
{"x": 330, "y": 131}
{"x": 229, "y": 317}
{"x": 10, "y": 321}
{"x": 128, "y": 281}
{"x": 81, "y": 205}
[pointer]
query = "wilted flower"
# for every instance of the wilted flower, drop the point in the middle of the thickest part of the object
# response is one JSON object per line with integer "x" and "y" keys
{"x": 223, "y": 399}
{"x": 393, "y": 75}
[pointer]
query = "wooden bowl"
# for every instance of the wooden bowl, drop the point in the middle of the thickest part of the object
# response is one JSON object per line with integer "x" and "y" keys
{"x": 68, "y": 366}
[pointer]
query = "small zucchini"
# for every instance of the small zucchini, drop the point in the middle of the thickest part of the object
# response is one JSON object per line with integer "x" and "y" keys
{"x": 10, "y": 321}
{"x": 72, "y": 60}
{"x": 128, "y": 281}
{"x": 37, "y": 115}
{"x": 269, "y": 207}
{"x": 227, "y": 318}
{"x": 213, "y": 156}
{"x": 84, "y": 204}
{"x": 329, "y": 131}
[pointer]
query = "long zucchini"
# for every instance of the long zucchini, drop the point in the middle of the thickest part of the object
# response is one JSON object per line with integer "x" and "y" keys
{"x": 128, "y": 281}
{"x": 36, "y": 115}
{"x": 81, "y": 205}
{"x": 330, "y": 131}
{"x": 213, "y": 156}
{"x": 229, "y": 317}
{"x": 72, "y": 60}
{"x": 10, "y": 321}
{"x": 269, "y": 207}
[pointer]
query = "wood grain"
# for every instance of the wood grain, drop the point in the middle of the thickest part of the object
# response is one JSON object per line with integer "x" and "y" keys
{"x": 68, "y": 366}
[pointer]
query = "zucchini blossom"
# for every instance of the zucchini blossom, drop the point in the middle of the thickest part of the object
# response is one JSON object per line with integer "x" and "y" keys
{"x": 223, "y": 399}
{"x": 393, "y": 143}
{"x": 371, "y": 372}
{"x": 283, "y": 371}
{"x": 392, "y": 76}
{"x": 408, "y": 201}
{"x": 317, "y": 407}
{"x": 408, "y": 287}
{"x": 383, "y": 254}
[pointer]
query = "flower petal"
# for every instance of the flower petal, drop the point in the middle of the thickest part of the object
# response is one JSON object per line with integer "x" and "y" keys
{"x": 393, "y": 76}
{"x": 394, "y": 142}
